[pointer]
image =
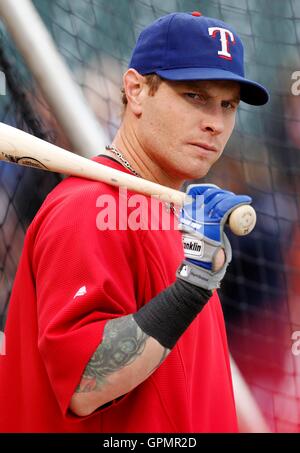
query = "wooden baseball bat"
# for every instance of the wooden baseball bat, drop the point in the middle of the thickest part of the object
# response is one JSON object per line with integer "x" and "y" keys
{"x": 19, "y": 147}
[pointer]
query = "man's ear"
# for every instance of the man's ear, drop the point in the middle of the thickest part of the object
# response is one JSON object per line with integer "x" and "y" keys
{"x": 135, "y": 89}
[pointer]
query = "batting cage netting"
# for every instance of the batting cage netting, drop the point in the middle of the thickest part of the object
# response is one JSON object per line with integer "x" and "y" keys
{"x": 261, "y": 292}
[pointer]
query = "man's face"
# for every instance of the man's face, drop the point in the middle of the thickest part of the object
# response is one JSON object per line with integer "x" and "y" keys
{"x": 185, "y": 126}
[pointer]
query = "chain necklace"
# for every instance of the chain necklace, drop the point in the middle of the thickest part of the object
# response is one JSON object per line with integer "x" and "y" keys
{"x": 126, "y": 164}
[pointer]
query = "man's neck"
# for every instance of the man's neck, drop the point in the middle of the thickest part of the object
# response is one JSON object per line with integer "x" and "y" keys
{"x": 139, "y": 160}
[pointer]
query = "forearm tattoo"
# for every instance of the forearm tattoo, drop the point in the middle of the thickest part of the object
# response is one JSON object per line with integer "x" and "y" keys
{"x": 123, "y": 341}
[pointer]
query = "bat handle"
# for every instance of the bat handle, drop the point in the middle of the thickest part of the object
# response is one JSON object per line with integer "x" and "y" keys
{"x": 241, "y": 220}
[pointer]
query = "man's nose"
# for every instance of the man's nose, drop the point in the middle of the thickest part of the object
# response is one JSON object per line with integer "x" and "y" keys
{"x": 213, "y": 122}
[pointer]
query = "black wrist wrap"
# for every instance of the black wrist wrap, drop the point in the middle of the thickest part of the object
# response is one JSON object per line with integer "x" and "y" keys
{"x": 167, "y": 316}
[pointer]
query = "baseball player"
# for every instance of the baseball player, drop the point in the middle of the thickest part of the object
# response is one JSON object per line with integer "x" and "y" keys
{"x": 121, "y": 329}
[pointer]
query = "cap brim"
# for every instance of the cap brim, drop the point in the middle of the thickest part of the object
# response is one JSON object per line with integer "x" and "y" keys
{"x": 251, "y": 92}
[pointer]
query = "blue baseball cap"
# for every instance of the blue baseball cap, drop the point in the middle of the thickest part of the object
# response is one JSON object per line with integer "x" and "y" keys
{"x": 189, "y": 46}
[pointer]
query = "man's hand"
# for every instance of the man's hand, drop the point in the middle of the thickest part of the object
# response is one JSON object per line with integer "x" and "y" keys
{"x": 206, "y": 247}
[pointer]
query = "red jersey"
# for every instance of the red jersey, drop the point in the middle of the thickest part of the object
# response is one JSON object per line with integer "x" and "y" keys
{"x": 71, "y": 279}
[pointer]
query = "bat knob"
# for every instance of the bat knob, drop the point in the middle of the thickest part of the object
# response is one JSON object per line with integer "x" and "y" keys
{"x": 242, "y": 220}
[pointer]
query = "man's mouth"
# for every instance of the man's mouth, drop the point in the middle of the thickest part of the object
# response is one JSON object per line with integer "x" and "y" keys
{"x": 205, "y": 146}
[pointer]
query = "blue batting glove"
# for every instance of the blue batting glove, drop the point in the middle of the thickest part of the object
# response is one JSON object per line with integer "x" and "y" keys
{"x": 202, "y": 222}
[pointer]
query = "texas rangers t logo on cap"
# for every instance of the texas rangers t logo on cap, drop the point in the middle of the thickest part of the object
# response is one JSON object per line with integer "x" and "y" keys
{"x": 224, "y": 36}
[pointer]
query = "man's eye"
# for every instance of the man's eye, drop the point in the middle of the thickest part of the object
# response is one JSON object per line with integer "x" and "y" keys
{"x": 196, "y": 97}
{"x": 228, "y": 105}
